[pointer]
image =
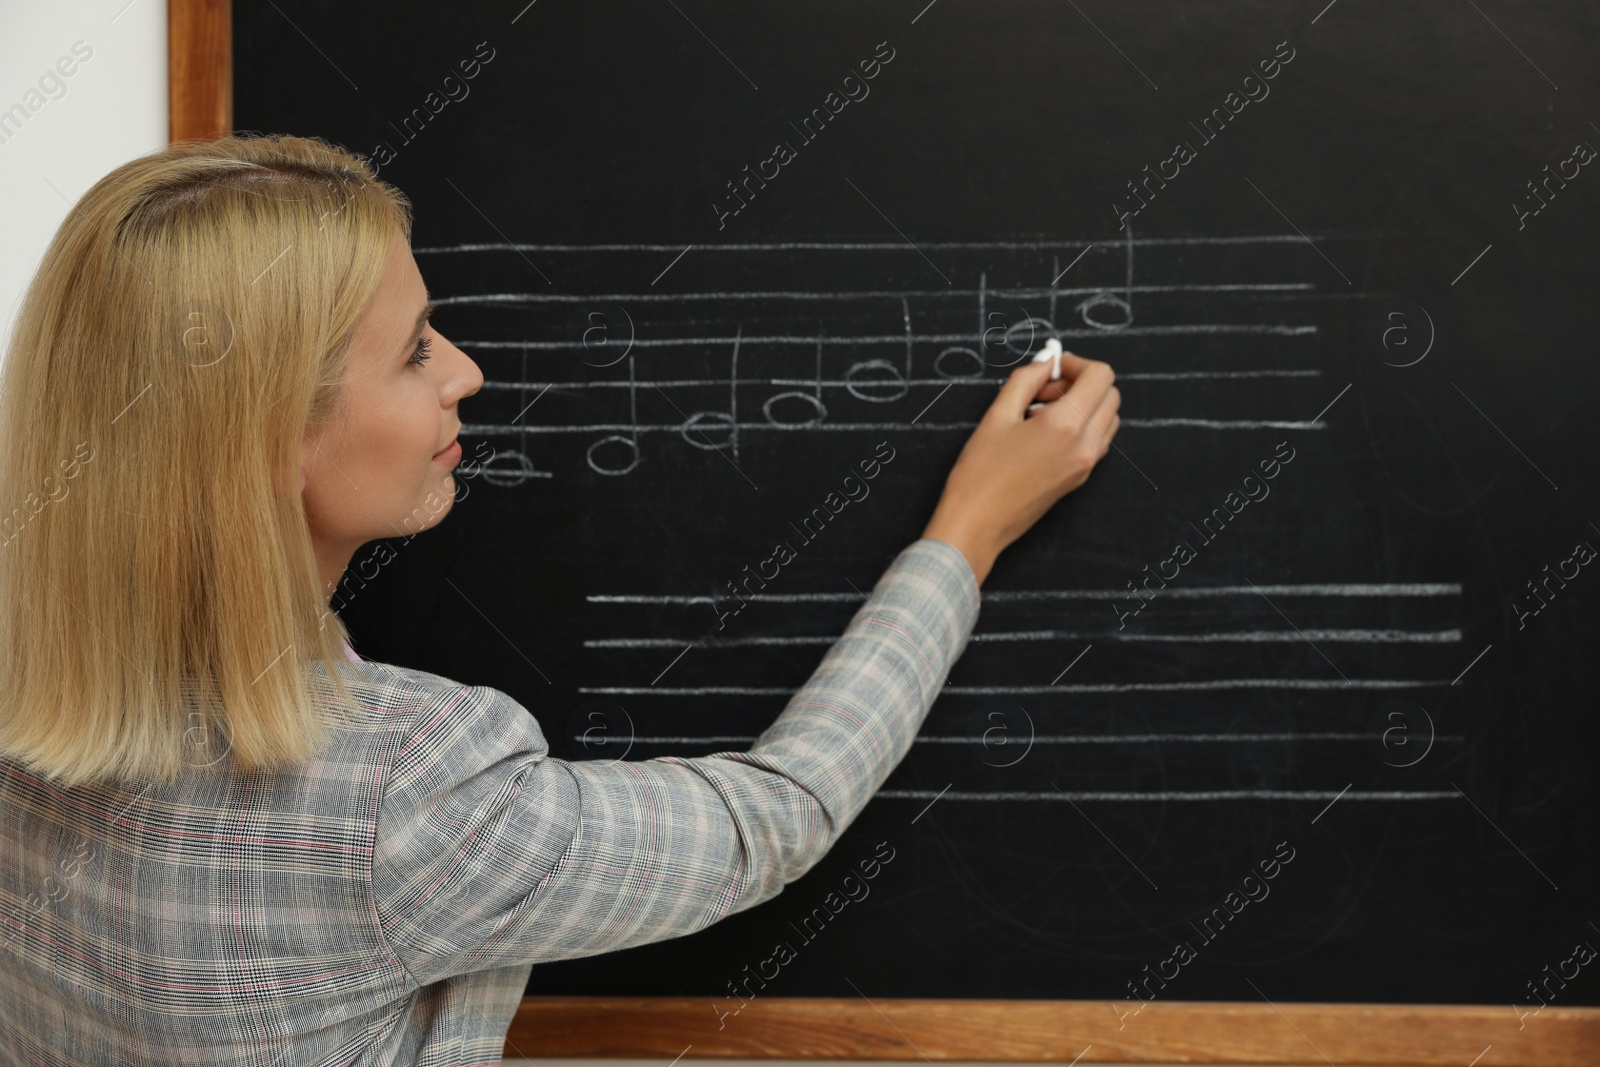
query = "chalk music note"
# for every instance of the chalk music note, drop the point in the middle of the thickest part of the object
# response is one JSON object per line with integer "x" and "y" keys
{"x": 901, "y": 383}
{"x": 631, "y": 442}
{"x": 1008, "y": 331}
{"x": 1106, "y": 310}
{"x": 509, "y": 466}
{"x": 693, "y": 429}
{"x": 977, "y": 363}
{"x": 819, "y": 410}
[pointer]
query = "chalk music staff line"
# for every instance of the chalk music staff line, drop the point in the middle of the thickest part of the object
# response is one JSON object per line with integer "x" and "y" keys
{"x": 956, "y": 357}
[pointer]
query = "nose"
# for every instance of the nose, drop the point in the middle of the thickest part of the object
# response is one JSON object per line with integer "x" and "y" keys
{"x": 466, "y": 378}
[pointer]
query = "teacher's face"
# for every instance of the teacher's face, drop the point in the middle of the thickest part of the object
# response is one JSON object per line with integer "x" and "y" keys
{"x": 383, "y": 469}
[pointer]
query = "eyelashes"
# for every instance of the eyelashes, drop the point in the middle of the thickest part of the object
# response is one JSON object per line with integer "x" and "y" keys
{"x": 421, "y": 355}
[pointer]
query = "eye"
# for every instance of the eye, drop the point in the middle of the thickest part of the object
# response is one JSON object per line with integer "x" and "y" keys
{"x": 420, "y": 356}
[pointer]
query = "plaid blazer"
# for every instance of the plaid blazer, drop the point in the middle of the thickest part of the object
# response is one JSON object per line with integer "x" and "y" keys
{"x": 384, "y": 902}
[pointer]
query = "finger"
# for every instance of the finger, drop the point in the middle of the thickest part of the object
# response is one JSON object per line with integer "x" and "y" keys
{"x": 1051, "y": 390}
{"x": 1103, "y": 423}
{"x": 1072, "y": 363}
{"x": 1070, "y": 412}
{"x": 1019, "y": 390}
{"x": 1071, "y": 366}
{"x": 1111, "y": 432}
{"x": 1110, "y": 403}
{"x": 1091, "y": 379}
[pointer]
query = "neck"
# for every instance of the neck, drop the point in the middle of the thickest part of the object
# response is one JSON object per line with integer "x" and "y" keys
{"x": 331, "y": 564}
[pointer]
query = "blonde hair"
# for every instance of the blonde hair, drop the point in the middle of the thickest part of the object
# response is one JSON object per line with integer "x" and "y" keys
{"x": 191, "y": 319}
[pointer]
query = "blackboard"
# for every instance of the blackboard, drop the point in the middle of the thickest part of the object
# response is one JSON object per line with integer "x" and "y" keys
{"x": 1341, "y": 256}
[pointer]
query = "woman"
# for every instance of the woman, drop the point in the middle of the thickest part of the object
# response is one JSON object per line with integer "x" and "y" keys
{"x": 223, "y": 837}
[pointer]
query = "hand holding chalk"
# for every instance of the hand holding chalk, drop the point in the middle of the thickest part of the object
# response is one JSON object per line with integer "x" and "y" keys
{"x": 1015, "y": 467}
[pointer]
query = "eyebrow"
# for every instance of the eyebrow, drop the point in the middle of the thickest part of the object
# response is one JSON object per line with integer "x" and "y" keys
{"x": 427, "y": 309}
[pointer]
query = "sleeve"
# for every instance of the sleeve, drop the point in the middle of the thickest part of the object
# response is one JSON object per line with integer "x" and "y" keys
{"x": 489, "y": 853}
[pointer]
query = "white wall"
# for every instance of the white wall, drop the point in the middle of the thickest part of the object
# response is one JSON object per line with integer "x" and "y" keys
{"x": 60, "y": 137}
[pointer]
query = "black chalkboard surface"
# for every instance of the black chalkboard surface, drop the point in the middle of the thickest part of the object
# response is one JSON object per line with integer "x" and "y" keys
{"x": 1295, "y": 699}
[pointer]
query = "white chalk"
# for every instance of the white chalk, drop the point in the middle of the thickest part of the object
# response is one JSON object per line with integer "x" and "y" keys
{"x": 1051, "y": 350}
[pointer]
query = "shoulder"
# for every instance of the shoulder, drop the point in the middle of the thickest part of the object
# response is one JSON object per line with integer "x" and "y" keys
{"x": 433, "y": 729}
{"x": 413, "y": 722}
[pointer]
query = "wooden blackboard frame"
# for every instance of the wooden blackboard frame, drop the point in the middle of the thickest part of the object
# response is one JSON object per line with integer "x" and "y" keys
{"x": 200, "y": 105}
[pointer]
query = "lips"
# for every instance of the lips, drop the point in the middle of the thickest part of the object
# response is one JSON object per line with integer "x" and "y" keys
{"x": 448, "y": 446}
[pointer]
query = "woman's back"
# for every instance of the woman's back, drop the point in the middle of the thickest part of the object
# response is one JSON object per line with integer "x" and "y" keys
{"x": 229, "y": 912}
{"x": 383, "y": 902}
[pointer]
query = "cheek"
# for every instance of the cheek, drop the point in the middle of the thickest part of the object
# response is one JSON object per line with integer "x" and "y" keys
{"x": 408, "y": 431}
{"x": 382, "y": 465}
{"x": 401, "y": 441}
